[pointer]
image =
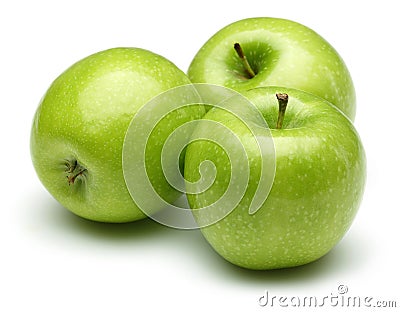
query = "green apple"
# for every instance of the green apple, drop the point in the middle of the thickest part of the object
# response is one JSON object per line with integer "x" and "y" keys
{"x": 79, "y": 128}
{"x": 260, "y": 52}
{"x": 317, "y": 188}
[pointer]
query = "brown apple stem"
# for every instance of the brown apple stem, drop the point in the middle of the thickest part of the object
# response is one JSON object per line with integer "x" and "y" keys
{"x": 243, "y": 57}
{"x": 283, "y": 100}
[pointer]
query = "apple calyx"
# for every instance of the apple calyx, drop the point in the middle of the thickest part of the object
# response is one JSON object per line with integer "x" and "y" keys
{"x": 74, "y": 170}
{"x": 249, "y": 71}
{"x": 283, "y": 100}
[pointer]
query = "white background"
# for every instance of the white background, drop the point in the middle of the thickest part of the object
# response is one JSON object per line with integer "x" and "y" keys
{"x": 52, "y": 260}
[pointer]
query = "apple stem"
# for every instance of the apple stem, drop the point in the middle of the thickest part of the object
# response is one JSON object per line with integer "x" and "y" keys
{"x": 283, "y": 100}
{"x": 74, "y": 170}
{"x": 243, "y": 57}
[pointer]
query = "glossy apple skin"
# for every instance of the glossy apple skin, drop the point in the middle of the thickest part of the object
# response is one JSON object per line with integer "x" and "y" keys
{"x": 84, "y": 116}
{"x": 282, "y": 53}
{"x": 318, "y": 186}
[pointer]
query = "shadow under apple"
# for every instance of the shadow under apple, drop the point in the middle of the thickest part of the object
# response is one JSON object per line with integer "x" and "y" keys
{"x": 145, "y": 229}
{"x": 347, "y": 256}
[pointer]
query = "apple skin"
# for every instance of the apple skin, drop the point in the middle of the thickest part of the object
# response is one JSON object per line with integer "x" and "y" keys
{"x": 317, "y": 189}
{"x": 282, "y": 53}
{"x": 84, "y": 116}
